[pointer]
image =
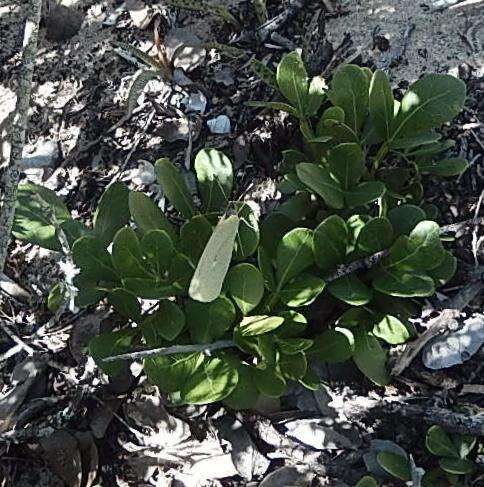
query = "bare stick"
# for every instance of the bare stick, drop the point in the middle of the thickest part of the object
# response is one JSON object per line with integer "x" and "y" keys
{"x": 19, "y": 125}
{"x": 205, "y": 348}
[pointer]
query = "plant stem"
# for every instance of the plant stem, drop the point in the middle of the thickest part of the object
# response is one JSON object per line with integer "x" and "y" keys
{"x": 205, "y": 348}
{"x": 19, "y": 125}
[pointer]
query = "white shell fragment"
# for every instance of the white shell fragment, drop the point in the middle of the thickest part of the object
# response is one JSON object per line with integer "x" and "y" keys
{"x": 219, "y": 125}
{"x": 457, "y": 347}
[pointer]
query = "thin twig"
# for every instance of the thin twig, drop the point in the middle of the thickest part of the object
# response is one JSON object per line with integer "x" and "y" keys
{"x": 205, "y": 348}
{"x": 19, "y": 342}
{"x": 19, "y": 126}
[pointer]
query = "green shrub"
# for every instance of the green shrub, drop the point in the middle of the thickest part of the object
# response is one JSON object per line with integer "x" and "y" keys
{"x": 353, "y": 197}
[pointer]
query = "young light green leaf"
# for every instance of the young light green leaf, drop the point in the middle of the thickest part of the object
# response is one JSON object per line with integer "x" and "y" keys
{"x": 215, "y": 178}
{"x": 166, "y": 323}
{"x": 391, "y": 330}
{"x": 112, "y": 212}
{"x": 347, "y": 163}
{"x": 445, "y": 167}
{"x": 245, "y": 284}
{"x": 376, "y": 235}
{"x": 57, "y": 296}
{"x": 349, "y": 90}
{"x": 381, "y": 104}
{"x": 405, "y": 217}
{"x": 371, "y": 358}
{"x": 209, "y": 321}
{"x": 364, "y": 193}
{"x": 333, "y": 346}
{"x": 302, "y": 290}
{"x": 428, "y": 103}
{"x": 258, "y": 325}
{"x": 403, "y": 285}
{"x": 174, "y": 187}
{"x": 330, "y": 242}
{"x": 147, "y": 215}
{"x": 439, "y": 443}
{"x": 292, "y": 80}
{"x": 294, "y": 254}
{"x": 319, "y": 180}
{"x": 394, "y": 464}
{"x": 213, "y": 265}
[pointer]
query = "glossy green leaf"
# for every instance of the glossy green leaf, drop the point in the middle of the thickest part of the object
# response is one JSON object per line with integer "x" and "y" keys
{"x": 125, "y": 303}
{"x": 333, "y": 346}
{"x": 174, "y": 187}
{"x": 158, "y": 250}
{"x": 147, "y": 215}
{"x": 445, "y": 167}
{"x": 439, "y": 443}
{"x": 350, "y": 290}
{"x": 258, "y": 325}
{"x": 112, "y": 212}
{"x": 403, "y": 285}
{"x": 319, "y": 180}
{"x": 127, "y": 256}
{"x": 292, "y": 80}
{"x": 247, "y": 237}
{"x": 457, "y": 466}
{"x": 208, "y": 322}
{"x": 107, "y": 345}
{"x": 349, "y": 90}
{"x": 428, "y": 103}
{"x": 376, "y": 235}
{"x": 245, "y": 284}
{"x": 404, "y": 218}
{"x": 371, "y": 358}
{"x": 394, "y": 464}
{"x": 212, "y": 381}
{"x": 294, "y": 254}
{"x": 347, "y": 163}
{"x": 215, "y": 178}
{"x": 194, "y": 236}
{"x": 364, "y": 193}
{"x": 166, "y": 323}
{"x": 381, "y": 104}
{"x": 391, "y": 330}
{"x": 302, "y": 290}
{"x": 213, "y": 265}
{"x": 330, "y": 242}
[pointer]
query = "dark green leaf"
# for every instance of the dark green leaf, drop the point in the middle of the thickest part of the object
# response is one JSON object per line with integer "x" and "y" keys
{"x": 194, "y": 236}
{"x": 456, "y": 466}
{"x": 273, "y": 228}
{"x": 364, "y": 193}
{"x": 291, "y": 346}
{"x": 297, "y": 207}
{"x": 445, "y": 270}
{"x": 415, "y": 141}
{"x": 376, "y": 235}
{"x": 107, "y": 345}
{"x": 267, "y": 269}
{"x": 347, "y": 163}
{"x": 367, "y": 481}
{"x": 294, "y": 366}
{"x": 294, "y": 324}
{"x": 245, "y": 395}
{"x": 147, "y": 215}
{"x": 158, "y": 250}
{"x": 319, "y": 180}
{"x": 330, "y": 243}
{"x": 92, "y": 258}
{"x": 127, "y": 256}
{"x": 174, "y": 187}
{"x": 166, "y": 323}
{"x": 269, "y": 381}
{"x": 394, "y": 464}
{"x": 215, "y": 178}
{"x": 381, "y": 104}
{"x": 445, "y": 167}
{"x": 439, "y": 443}
{"x": 403, "y": 285}
{"x": 209, "y": 321}
{"x": 333, "y": 346}
{"x": 428, "y": 103}
{"x": 150, "y": 288}
{"x": 404, "y": 218}
{"x": 112, "y": 212}
{"x": 294, "y": 254}
{"x": 246, "y": 286}
{"x": 125, "y": 303}
{"x": 302, "y": 290}
{"x": 247, "y": 237}
{"x": 371, "y": 358}
{"x": 275, "y": 105}
{"x": 350, "y": 290}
